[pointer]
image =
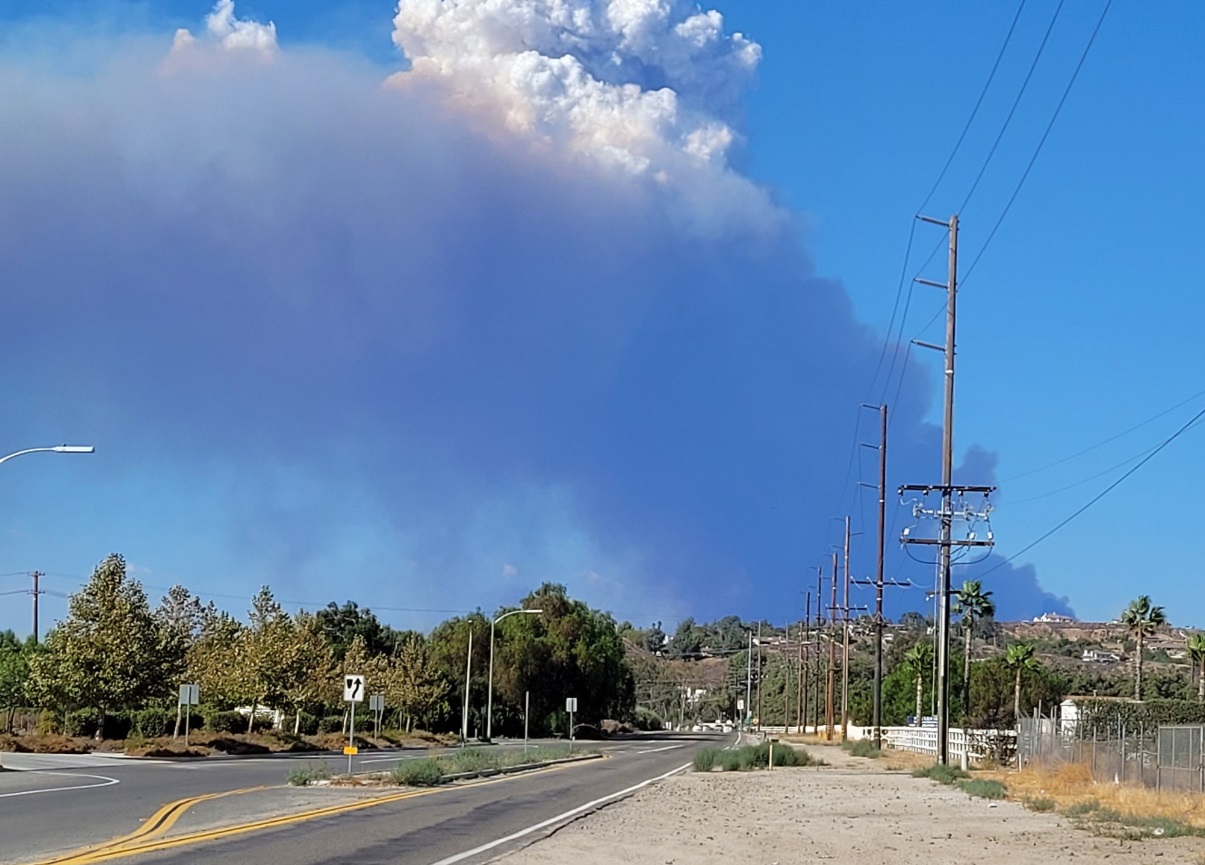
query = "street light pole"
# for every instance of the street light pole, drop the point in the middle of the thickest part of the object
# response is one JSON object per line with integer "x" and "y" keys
{"x": 489, "y": 700}
{"x": 57, "y": 449}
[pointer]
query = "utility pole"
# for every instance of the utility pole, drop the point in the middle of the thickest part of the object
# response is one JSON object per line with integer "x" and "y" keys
{"x": 748, "y": 681}
{"x": 845, "y": 643}
{"x": 802, "y": 685}
{"x": 36, "y": 594}
{"x": 786, "y": 683}
{"x": 946, "y": 513}
{"x": 759, "y": 675}
{"x": 877, "y": 710}
{"x": 831, "y": 682}
{"x": 817, "y": 683}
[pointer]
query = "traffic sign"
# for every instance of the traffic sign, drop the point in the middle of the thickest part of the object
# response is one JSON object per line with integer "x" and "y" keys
{"x": 190, "y": 695}
{"x": 571, "y": 704}
{"x": 376, "y": 702}
{"x": 350, "y": 750}
{"x": 353, "y": 688}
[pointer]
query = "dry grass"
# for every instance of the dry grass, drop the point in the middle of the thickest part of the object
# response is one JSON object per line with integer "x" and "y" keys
{"x": 904, "y": 761}
{"x": 1071, "y": 788}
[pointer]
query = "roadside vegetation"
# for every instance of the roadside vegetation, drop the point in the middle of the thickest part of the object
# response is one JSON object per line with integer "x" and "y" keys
{"x": 1115, "y": 810}
{"x": 861, "y": 748}
{"x": 432, "y": 771}
{"x": 751, "y": 757}
{"x": 982, "y": 788}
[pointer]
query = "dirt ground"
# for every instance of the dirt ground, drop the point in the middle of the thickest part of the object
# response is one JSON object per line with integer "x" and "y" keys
{"x": 854, "y": 811}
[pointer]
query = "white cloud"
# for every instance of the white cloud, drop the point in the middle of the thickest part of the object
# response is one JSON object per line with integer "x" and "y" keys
{"x": 231, "y": 33}
{"x": 642, "y": 84}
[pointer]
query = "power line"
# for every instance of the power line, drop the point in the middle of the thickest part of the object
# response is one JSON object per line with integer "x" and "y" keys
{"x": 1058, "y": 108}
{"x": 1101, "y": 494}
{"x": 1016, "y": 102}
{"x": 974, "y": 111}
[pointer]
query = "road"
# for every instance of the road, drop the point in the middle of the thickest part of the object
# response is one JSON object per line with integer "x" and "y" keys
{"x": 44, "y": 815}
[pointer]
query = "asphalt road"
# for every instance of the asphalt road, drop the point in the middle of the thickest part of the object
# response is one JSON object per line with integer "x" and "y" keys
{"x": 43, "y": 814}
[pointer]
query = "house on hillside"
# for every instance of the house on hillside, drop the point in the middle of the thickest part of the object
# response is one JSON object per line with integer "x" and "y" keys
{"x": 1054, "y": 619}
{"x": 1099, "y": 657}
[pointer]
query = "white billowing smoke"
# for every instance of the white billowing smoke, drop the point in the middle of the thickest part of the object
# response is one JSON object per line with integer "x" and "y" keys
{"x": 230, "y": 32}
{"x": 644, "y": 84}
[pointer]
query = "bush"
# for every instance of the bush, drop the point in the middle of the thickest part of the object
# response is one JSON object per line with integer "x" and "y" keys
{"x": 330, "y": 724}
{"x": 705, "y": 760}
{"x": 942, "y": 774}
{"x": 153, "y": 723}
{"x": 647, "y": 719}
{"x": 300, "y": 777}
{"x": 308, "y": 725}
{"x": 49, "y": 723}
{"x": 983, "y": 788}
{"x": 1041, "y": 804}
{"x": 426, "y": 772}
{"x": 224, "y": 722}
{"x": 862, "y": 748}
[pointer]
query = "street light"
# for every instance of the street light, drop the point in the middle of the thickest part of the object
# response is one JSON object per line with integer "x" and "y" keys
{"x": 57, "y": 449}
{"x": 489, "y": 701}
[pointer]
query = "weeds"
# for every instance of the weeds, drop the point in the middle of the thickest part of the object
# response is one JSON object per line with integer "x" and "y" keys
{"x": 752, "y": 757}
{"x": 941, "y": 773}
{"x": 1040, "y": 804}
{"x": 426, "y": 772}
{"x": 861, "y": 748}
{"x": 984, "y": 789}
{"x": 299, "y": 777}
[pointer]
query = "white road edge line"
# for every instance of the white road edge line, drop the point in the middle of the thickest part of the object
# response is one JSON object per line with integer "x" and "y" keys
{"x": 655, "y": 750}
{"x": 108, "y": 782}
{"x": 460, "y": 857}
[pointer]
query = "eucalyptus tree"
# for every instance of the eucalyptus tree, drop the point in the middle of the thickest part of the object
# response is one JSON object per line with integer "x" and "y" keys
{"x": 1141, "y": 618}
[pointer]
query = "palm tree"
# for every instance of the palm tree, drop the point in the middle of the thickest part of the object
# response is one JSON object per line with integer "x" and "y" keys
{"x": 1019, "y": 658}
{"x": 917, "y": 661}
{"x": 1196, "y": 649}
{"x": 1141, "y": 618}
{"x": 973, "y": 603}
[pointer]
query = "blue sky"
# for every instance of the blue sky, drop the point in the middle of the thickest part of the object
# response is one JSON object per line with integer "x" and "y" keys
{"x": 427, "y": 343}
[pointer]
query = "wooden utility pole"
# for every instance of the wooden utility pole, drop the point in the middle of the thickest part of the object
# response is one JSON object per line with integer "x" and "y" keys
{"x": 831, "y": 683}
{"x": 845, "y": 643}
{"x": 877, "y": 711}
{"x": 818, "y": 680}
{"x": 37, "y": 593}
{"x": 802, "y": 696}
{"x": 759, "y": 675}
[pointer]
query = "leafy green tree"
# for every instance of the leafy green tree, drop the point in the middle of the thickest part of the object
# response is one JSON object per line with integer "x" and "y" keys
{"x": 14, "y": 674}
{"x": 342, "y": 624}
{"x": 1196, "y": 650}
{"x": 179, "y": 618}
{"x": 973, "y": 603}
{"x": 1141, "y": 618}
{"x": 210, "y": 658}
{"x": 308, "y": 667}
{"x": 1019, "y": 659}
{"x": 412, "y": 683}
{"x": 265, "y": 654}
{"x": 107, "y": 654}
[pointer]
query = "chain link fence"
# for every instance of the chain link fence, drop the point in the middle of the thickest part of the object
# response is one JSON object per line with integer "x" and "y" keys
{"x": 1168, "y": 757}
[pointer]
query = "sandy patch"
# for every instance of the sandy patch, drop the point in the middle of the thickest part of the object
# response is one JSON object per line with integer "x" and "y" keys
{"x": 853, "y": 812}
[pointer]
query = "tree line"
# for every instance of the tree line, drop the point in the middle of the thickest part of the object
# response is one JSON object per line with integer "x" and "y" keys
{"x": 115, "y": 663}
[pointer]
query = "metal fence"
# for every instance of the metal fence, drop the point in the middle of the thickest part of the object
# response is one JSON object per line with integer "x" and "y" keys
{"x": 1167, "y": 757}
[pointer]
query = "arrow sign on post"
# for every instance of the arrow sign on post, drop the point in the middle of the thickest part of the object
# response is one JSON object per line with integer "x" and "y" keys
{"x": 353, "y": 689}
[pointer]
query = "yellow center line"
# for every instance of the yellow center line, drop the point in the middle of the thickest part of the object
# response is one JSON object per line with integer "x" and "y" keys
{"x": 149, "y": 837}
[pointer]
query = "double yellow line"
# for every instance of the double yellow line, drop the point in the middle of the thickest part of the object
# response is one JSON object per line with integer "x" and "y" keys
{"x": 149, "y": 837}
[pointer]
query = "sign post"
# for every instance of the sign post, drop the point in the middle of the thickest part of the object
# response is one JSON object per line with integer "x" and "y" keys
{"x": 376, "y": 705}
{"x": 190, "y": 695}
{"x": 571, "y": 707}
{"x": 353, "y": 692}
{"x": 526, "y": 712}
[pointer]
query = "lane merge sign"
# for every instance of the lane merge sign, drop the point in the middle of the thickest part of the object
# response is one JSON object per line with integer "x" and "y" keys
{"x": 353, "y": 688}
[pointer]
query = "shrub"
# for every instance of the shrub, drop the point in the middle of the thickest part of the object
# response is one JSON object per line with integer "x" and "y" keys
{"x": 1082, "y": 809}
{"x": 1041, "y": 804}
{"x": 308, "y": 725}
{"x": 224, "y": 722}
{"x": 426, "y": 772}
{"x": 153, "y": 723}
{"x": 49, "y": 723}
{"x": 862, "y": 748}
{"x": 705, "y": 760}
{"x": 942, "y": 774}
{"x": 983, "y": 788}
{"x": 300, "y": 777}
{"x": 330, "y": 724}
